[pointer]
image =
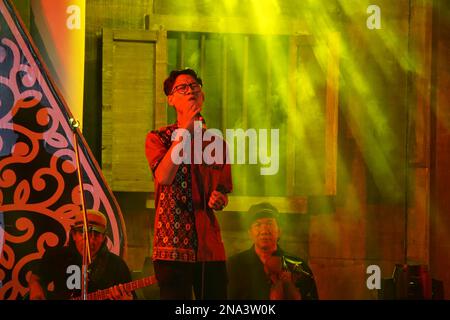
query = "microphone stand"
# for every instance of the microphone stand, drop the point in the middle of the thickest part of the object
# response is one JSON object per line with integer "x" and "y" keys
{"x": 86, "y": 248}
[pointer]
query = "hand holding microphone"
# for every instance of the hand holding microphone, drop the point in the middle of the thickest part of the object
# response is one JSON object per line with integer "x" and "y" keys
{"x": 217, "y": 200}
{"x": 190, "y": 114}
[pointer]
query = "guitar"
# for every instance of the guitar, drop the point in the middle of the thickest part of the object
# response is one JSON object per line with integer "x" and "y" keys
{"x": 130, "y": 286}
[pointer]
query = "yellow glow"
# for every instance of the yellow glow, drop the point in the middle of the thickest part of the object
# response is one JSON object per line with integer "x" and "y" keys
{"x": 373, "y": 65}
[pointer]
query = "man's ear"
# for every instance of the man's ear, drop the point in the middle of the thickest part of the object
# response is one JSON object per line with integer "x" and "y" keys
{"x": 279, "y": 233}
{"x": 170, "y": 99}
{"x": 203, "y": 96}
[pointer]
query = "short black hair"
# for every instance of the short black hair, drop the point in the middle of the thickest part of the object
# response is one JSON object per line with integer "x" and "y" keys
{"x": 168, "y": 83}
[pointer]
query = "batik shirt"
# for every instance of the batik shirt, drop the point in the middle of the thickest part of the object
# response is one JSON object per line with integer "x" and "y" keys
{"x": 186, "y": 229}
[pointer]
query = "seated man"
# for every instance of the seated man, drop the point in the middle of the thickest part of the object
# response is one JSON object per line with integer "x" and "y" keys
{"x": 265, "y": 271}
{"x": 106, "y": 270}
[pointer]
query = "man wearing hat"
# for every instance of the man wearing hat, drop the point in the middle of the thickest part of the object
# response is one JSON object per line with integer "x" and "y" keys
{"x": 106, "y": 270}
{"x": 265, "y": 271}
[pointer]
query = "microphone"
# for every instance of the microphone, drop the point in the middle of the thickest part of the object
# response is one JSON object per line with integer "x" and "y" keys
{"x": 221, "y": 189}
{"x": 198, "y": 114}
{"x": 200, "y": 118}
{"x": 295, "y": 265}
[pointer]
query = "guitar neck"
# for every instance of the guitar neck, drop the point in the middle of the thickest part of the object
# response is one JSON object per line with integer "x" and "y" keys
{"x": 129, "y": 286}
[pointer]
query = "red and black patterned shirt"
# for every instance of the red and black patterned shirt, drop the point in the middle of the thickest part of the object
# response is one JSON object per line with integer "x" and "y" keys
{"x": 186, "y": 229}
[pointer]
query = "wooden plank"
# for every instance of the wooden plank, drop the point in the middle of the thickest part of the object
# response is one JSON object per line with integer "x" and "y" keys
{"x": 269, "y": 91}
{"x": 130, "y": 97}
{"x": 137, "y": 185}
{"x": 418, "y": 219}
{"x": 245, "y": 73}
{"x": 332, "y": 103}
{"x": 292, "y": 107}
{"x": 160, "y": 75}
{"x": 440, "y": 175}
{"x": 283, "y": 204}
{"x": 107, "y": 101}
{"x": 202, "y": 56}
{"x": 133, "y": 98}
{"x": 231, "y": 25}
{"x": 294, "y": 205}
{"x": 135, "y": 35}
{"x": 421, "y": 44}
{"x": 245, "y": 76}
{"x": 181, "y": 50}
{"x": 224, "y": 81}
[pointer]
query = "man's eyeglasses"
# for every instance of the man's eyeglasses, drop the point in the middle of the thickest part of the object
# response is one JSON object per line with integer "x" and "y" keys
{"x": 183, "y": 88}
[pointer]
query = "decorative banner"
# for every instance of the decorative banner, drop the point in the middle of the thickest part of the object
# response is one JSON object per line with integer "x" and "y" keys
{"x": 39, "y": 190}
{"x": 58, "y": 28}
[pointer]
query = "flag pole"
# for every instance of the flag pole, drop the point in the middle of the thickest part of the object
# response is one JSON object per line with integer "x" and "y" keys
{"x": 86, "y": 251}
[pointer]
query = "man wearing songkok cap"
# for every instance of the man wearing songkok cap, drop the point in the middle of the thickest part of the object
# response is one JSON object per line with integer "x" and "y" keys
{"x": 265, "y": 271}
{"x": 56, "y": 269}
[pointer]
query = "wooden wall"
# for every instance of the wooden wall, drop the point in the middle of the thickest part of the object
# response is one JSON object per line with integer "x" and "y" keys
{"x": 440, "y": 146}
{"x": 115, "y": 14}
{"x": 126, "y": 15}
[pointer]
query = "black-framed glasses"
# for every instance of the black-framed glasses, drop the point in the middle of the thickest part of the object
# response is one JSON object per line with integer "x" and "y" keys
{"x": 183, "y": 88}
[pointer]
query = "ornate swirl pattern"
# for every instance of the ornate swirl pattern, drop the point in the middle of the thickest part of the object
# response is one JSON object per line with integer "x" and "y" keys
{"x": 39, "y": 191}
